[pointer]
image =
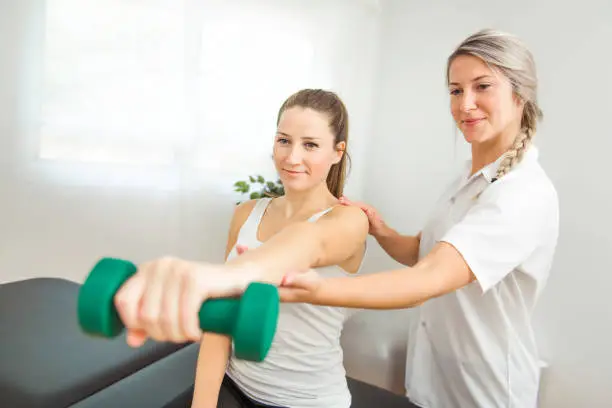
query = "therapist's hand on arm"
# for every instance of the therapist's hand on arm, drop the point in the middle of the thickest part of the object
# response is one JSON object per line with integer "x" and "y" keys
{"x": 442, "y": 271}
{"x": 402, "y": 248}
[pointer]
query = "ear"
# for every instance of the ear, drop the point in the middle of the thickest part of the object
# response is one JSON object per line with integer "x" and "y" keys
{"x": 520, "y": 102}
{"x": 340, "y": 148}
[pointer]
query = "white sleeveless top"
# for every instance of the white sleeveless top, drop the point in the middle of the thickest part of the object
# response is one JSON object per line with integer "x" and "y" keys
{"x": 304, "y": 367}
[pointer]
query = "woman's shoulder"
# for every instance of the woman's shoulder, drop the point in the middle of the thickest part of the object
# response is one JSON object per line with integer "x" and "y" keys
{"x": 346, "y": 214}
{"x": 243, "y": 211}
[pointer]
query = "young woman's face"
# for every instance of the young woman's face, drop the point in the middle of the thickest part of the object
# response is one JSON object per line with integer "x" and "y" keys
{"x": 304, "y": 148}
{"x": 482, "y": 101}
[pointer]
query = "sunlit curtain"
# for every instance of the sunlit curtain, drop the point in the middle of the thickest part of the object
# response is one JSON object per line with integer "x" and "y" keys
{"x": 134, "y": 118}
{"x": 182, "y": 87}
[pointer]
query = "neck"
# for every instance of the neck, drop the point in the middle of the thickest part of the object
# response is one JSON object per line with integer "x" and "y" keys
{"x": 487, "y": 152}
{"x": 297, "y": 202}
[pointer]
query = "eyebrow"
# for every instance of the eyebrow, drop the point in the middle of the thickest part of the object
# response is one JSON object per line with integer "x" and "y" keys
{"x": 304, "y": 137}
{"x": 478, "y": 78}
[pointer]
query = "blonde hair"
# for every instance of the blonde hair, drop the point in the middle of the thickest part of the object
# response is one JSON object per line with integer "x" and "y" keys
{"x": 509, "y": 55}
{"x": 329, "y": 103}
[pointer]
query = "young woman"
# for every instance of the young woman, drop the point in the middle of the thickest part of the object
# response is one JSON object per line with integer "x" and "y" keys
{"x": 478, "y": 266}
{"x": 304, "y": 367}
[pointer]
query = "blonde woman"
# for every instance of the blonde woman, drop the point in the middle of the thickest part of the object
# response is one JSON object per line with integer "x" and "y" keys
{"x": 476, "y": 269}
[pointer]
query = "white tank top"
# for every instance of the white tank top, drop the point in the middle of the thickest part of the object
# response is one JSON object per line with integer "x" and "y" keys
{"x": 304, "y": 367}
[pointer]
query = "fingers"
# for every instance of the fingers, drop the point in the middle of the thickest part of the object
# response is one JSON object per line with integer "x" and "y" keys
{"x": 169, "y": 322}
{"x": 366, "y": 208}
{"x": 306, "y": 280}
{"x": 299, "y": 287}
{"x": 128, "y": 299}
{"x": 374, "y": 218}
{"x": 150, "y": 311}
{"x": 345, "y": 201}
{"x": 163, "y": 299}
{"x": 136, "y": 338}
{"x": 190, "y": 303}
{"x": 290, "y": 295}
{"x": 149, "y": 303}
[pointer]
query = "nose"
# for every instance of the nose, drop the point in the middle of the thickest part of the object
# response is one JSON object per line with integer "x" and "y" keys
{"x": 295, "y": 155}
{"x": 468, "y": 101}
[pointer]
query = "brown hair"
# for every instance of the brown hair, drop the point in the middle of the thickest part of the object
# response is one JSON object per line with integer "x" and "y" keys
{"x": 508, "y": 55}
{"x": 328, "y": 103}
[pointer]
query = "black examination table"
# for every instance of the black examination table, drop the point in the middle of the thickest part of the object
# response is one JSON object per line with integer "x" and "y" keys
{"x": 46, "y": 361}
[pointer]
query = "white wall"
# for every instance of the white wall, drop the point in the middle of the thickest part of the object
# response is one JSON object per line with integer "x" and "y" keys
{"x": 412, "y": 155}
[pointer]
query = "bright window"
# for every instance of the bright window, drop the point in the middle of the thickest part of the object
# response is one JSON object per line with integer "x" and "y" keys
{"x": 172, "y": 83}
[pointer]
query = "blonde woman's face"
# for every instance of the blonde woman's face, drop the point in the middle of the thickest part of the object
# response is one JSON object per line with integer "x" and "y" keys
{"x": 482, "y": 101}
{"x": 304, "y": 148}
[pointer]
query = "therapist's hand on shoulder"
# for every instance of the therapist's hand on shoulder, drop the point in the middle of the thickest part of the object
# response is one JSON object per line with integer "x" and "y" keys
{"x": 163, "y": 298}
{"x": 377, "y": 225}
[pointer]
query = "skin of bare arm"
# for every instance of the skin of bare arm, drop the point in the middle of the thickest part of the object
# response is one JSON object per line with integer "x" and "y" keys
{"x": 402, "y": 248}
{"x": 442, "y": 271}
{"x": 215, "y": 348}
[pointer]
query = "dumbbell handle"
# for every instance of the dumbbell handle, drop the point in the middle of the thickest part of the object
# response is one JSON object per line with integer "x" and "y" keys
{"x": 215, "y": 315}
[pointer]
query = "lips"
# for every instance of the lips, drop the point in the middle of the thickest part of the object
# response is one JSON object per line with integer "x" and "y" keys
{"x": 473, "y": 121}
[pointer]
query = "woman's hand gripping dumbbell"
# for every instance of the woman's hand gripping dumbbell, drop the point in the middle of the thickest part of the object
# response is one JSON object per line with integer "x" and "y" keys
{"x": 153, "y": 300}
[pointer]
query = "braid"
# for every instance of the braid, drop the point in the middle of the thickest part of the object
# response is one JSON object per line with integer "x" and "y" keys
{"x": 531, "y": 115}
{"x": 516, "y": 152}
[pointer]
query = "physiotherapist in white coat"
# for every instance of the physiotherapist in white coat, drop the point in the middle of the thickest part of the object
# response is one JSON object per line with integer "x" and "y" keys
{"x": 476, "y": 270}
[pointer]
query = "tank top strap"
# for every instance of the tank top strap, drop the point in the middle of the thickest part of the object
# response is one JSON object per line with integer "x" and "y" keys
{"x": 251, "y": 225}
{"x": 318, "y": 215}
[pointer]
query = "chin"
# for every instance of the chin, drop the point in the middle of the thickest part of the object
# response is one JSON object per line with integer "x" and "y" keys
{"x": 294, "y": 186}
{"x": 298, "y": 187}
{"x": 475, "y": 137}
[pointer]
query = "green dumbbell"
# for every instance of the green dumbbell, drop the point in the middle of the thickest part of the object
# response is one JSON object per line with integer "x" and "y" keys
{"x": 250, "y": 320}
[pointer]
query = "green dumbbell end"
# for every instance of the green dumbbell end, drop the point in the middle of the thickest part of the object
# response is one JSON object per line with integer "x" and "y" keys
{"x": 96, "y": 309}
{"x": 219, "y": 315}
{"x": 251, "y": 320}
{"x": 257, "y": 319}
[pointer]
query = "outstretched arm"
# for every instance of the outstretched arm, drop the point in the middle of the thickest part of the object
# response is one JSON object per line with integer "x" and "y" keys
{"x": 161, "y": 299}
{"x": 334, "y": 238}
{"x": 442, "y": 271}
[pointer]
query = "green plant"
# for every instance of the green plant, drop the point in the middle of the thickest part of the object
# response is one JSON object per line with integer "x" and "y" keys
{"x": 259, "y": 187}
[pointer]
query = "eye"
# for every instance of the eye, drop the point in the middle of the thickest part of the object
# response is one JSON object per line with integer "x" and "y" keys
{"x": 455, "y": 91}
{"x": 282, "y": 140}
{"x": 311, "y": 145}
{"x": 483, "y": 87}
